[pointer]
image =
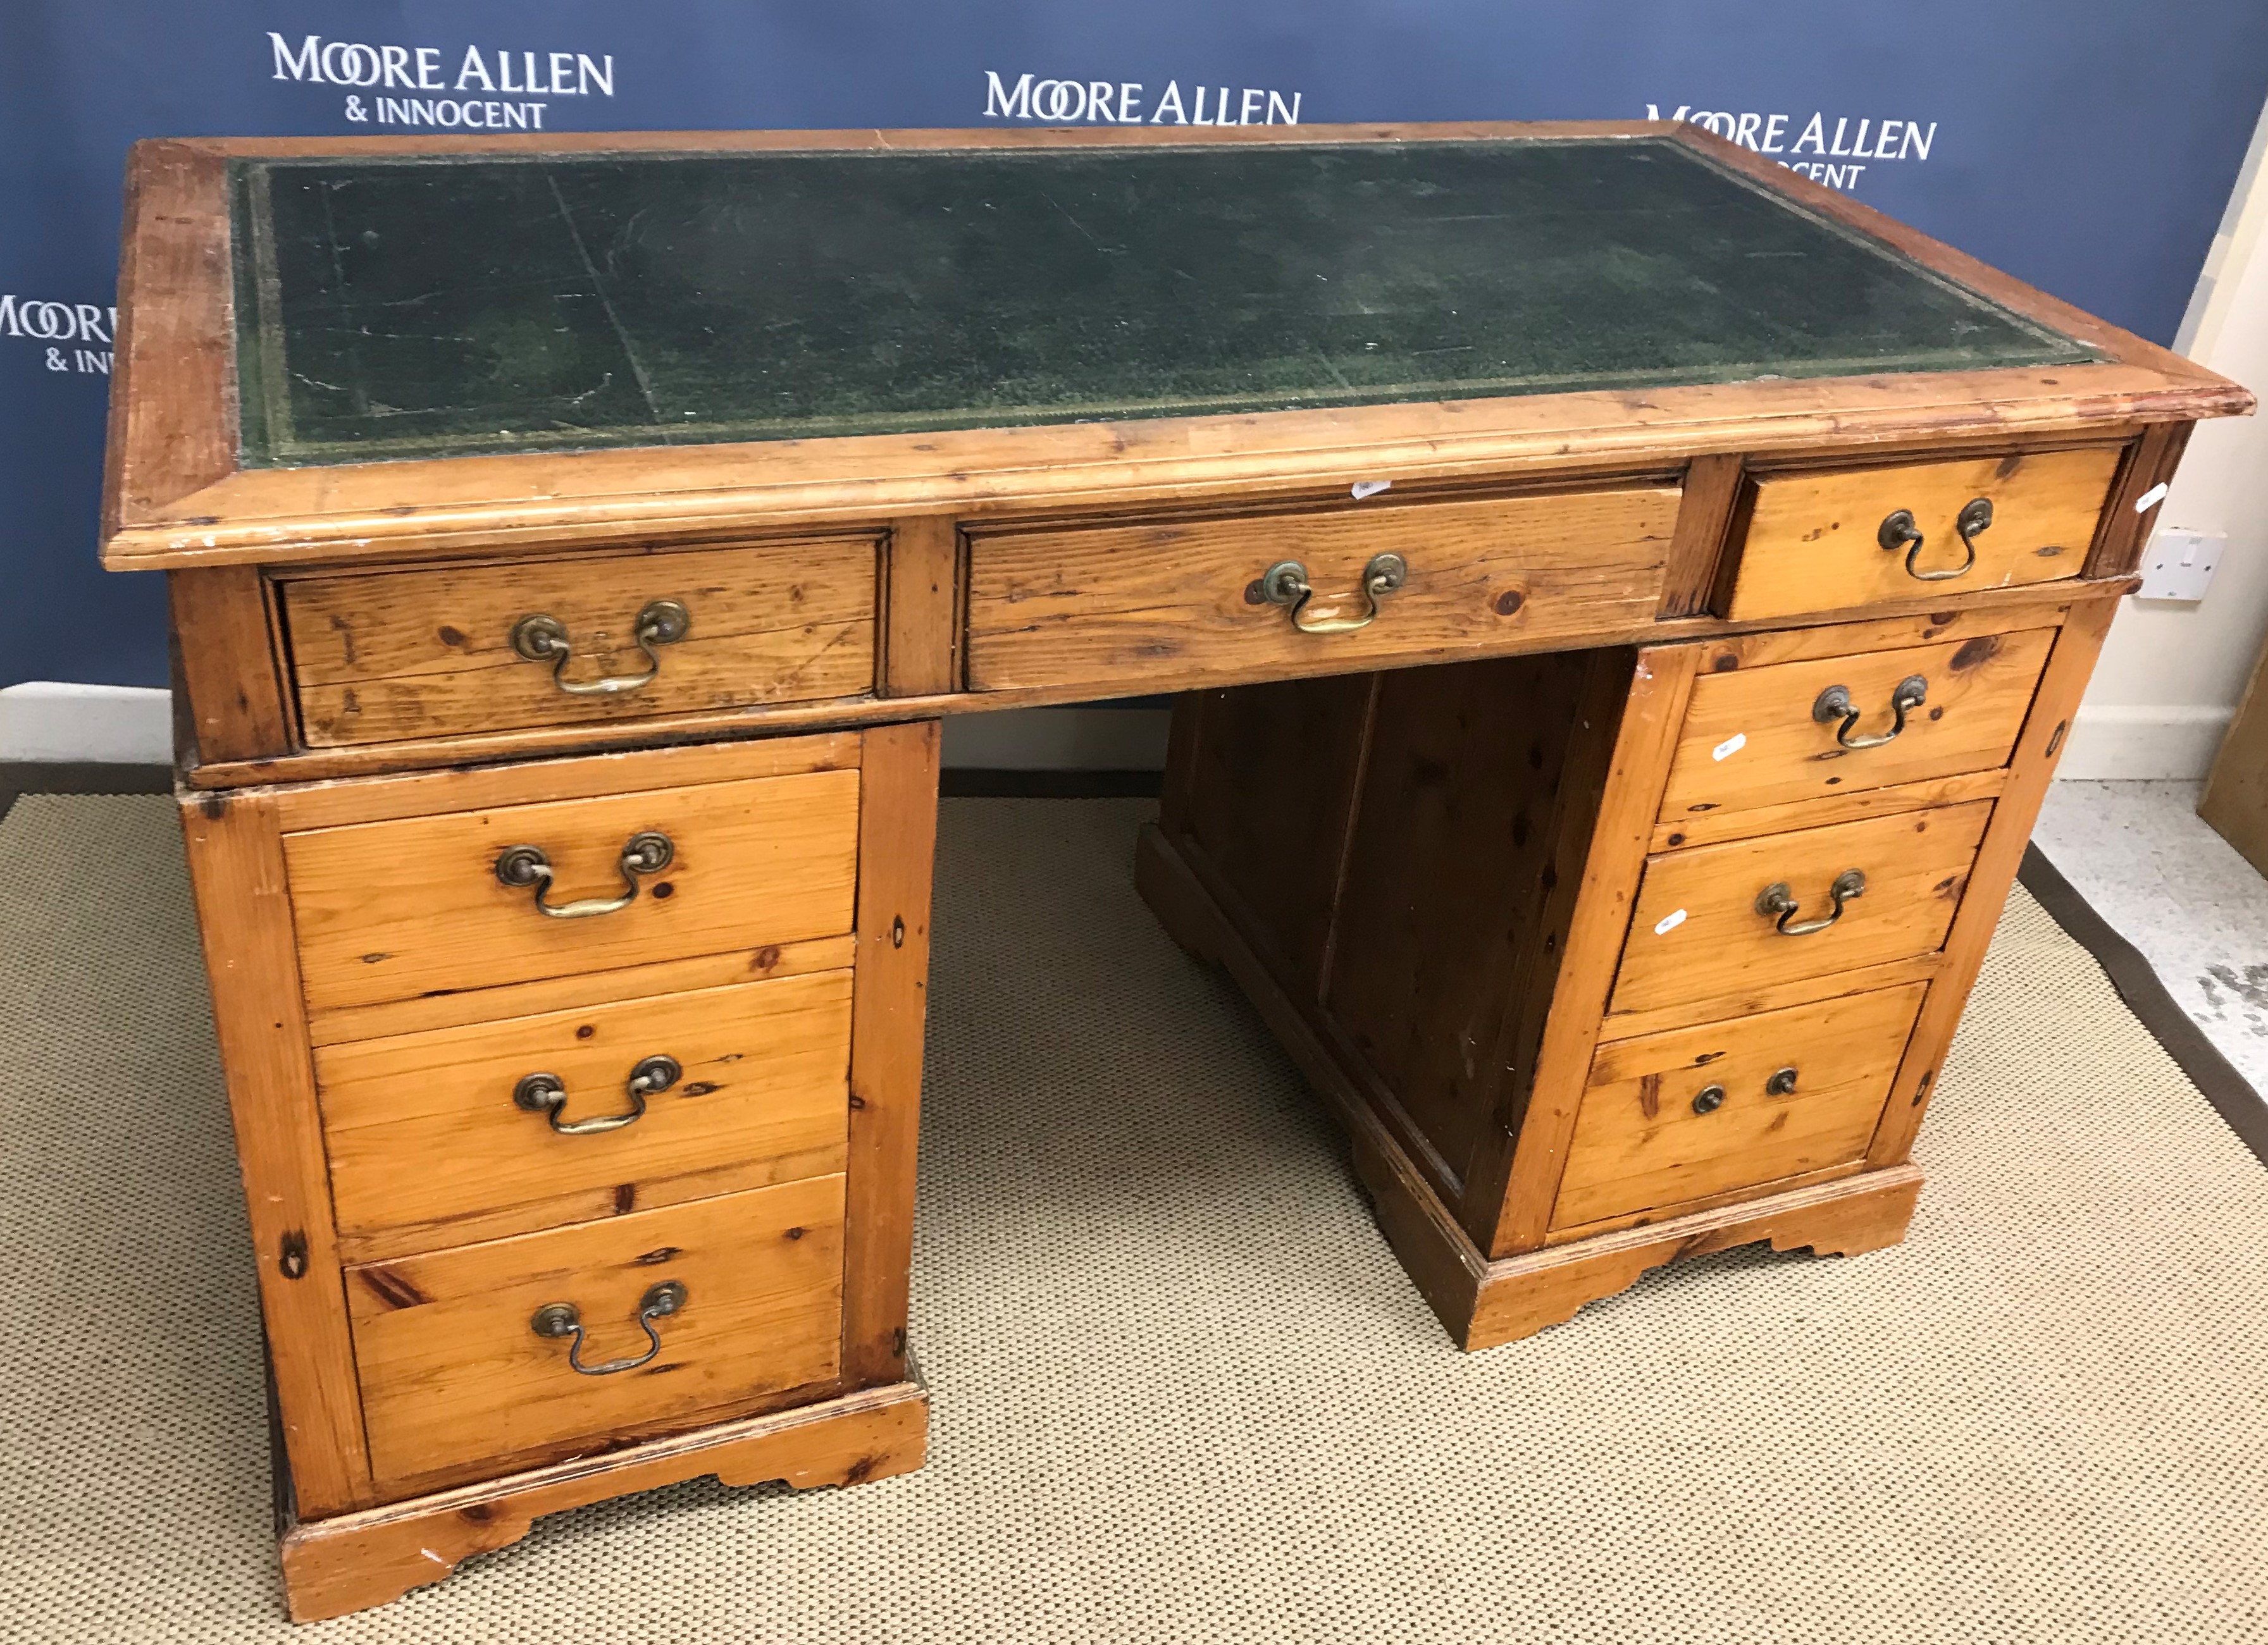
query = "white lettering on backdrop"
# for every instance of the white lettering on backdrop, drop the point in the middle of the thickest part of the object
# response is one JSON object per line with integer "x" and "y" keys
{"x": 1123, "y": 103}
{"x": 62, "y": 325}
{"x": 1836, "y": 160}
{"x": 382, "y": 70}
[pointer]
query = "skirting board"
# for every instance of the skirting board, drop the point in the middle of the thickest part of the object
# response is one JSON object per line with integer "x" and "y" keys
{"x": 44, "y": 720}
{"x": 2121, "y": 743}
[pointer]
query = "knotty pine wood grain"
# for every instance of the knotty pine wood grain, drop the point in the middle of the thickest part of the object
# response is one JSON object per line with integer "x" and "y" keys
{"x": 897, "y": 851}
{"x": 174, "y": 366}
{"x": 1812, "y": 538}
{"x": 232, "y": 679}
{"x": 453, "y": 1376}
{"x": 1705, "y": 516}
{"x": 1715, "y": 828}
{"x": 2126, "y": 526}
{"x": 472, "y": 787}
{"x": 1613, "y": 863}
{"x": 583, "y": 991}
{"x": 1978, "y": 691}
{"x": 1750, "y": 1000}
{"x": 428, "y": 1148}
{"x": 1263, "y": 781}
{"x": 1168, "y": 604}
{"x": 428, "y": 653}
{"x": 352, "y": 1561}
{"x": 1578, "y": 802}
{"x": 393, "y": 910}
{"x": 921, "y": 649}
{"x": 236, "y": 869}
{"x": 1519, "y": 1295}
{"x": 1696, "y": 931}
{"x": 1973, "y": 616}
{"x": 1640, "y": 1146}
{"x": 1477, "y": 772}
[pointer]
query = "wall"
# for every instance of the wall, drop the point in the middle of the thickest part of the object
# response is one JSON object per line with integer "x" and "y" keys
{"x": 2171, "y": 674}
{"x": 2086, "y": 146}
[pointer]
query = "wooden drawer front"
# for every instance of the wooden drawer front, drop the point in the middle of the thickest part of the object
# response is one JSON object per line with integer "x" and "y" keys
{"x": 1641, "y": 1143}
{"x": 428, "y": 1146}
{"x": 1756, "y": 737}
{"x": 1813, "y": 539}
{"x": 389, "y": 910}
{"x": 453, "y": 1374}
{"x": 1697, "y": 933}
{"x": 1177, "y": 600}
{"x": 406, "y": 654}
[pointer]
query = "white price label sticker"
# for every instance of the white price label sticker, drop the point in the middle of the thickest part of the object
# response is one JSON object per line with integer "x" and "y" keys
{"x": 1730, "y": 747}
{"x": 1669, "y": 923}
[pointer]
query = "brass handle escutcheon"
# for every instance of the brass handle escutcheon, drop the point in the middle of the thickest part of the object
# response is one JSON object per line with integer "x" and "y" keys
{"x": 522, "y": 866}
{"x": 1835, "y": 704}
{"x": 1286, "y": 583}
{"x": 1778, "y": 899}
{"x": 565, "y": 1319}
{"x": 547, "y": 1094}
{"x": 1898, "y": 530}
{"x": 540, "y": 637}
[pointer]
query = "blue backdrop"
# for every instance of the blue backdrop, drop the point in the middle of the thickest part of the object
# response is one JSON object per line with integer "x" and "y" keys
{"x": 2087, "y": 147}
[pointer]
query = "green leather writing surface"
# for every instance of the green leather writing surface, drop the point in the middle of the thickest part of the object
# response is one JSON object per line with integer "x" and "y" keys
{"x": 424, "y": 307}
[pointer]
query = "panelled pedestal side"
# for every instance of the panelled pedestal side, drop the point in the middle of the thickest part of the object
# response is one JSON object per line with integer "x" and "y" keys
{"x": 576, "y": 1103}
{"x": 1607, "y": 956}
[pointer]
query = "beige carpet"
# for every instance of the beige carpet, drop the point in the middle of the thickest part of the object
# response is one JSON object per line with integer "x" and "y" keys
{"x": 1182, "y": 1391}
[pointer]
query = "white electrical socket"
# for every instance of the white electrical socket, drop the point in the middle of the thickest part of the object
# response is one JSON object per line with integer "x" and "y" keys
{"x": 2178, "y": 564}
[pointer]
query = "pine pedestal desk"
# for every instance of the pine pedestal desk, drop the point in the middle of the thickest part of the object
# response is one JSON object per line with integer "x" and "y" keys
{"x": 1626, "y": 602}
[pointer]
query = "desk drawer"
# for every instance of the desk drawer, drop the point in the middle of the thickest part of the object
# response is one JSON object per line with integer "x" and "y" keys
{"x": 433, "y": 653}
{"x": 455, "y": 1375}
{"x": 429, "y": 1143}
{"x": 1766, "y": 736}
{"x": 1700, "y": 933}
{"x": 1815, "y": 541}
{"x": 1176, "y": 601}
{"x": 417, "y": 907}
{"x": 1700, "y": 1112}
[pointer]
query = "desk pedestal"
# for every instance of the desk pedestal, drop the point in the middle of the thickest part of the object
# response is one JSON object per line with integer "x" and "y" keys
{"x": 1575, "y": 1021}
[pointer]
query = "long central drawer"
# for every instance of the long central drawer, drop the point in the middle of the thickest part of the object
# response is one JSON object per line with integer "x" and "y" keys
{"x": 1171, "y": 602}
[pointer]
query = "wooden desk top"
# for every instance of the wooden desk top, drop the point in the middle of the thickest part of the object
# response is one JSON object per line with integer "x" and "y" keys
{"x": 593, "y": 339}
